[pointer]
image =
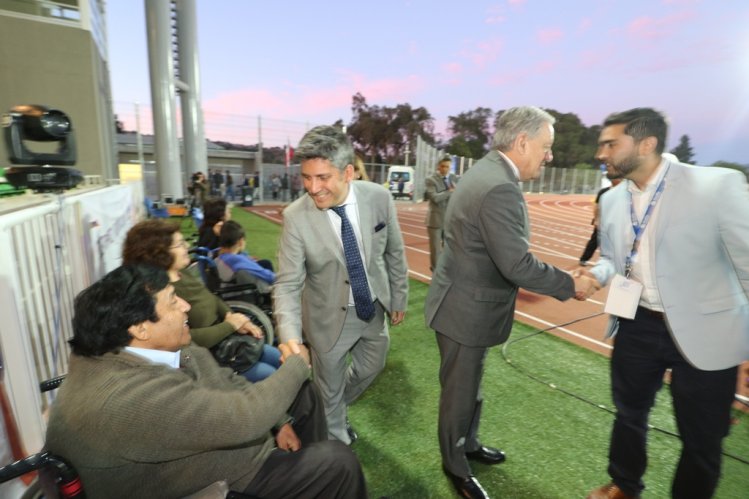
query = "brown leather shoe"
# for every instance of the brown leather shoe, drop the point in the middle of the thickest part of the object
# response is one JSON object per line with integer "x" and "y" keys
{"x": 609, "y": 491}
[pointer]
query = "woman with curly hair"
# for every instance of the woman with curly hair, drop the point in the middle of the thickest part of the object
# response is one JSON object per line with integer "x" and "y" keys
{"x": 159, "y": 243}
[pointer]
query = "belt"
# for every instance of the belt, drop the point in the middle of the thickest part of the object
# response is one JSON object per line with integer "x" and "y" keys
{"x": 653, "y": 314}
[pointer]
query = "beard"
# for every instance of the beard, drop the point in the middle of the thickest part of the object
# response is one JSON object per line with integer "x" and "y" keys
{"x": 623, "y": 168}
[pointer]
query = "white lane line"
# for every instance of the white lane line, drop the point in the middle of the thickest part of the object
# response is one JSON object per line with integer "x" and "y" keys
{"x": 565, "y": 330}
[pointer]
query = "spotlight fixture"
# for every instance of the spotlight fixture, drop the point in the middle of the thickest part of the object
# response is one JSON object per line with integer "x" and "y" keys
{"x": 35, "y": 123}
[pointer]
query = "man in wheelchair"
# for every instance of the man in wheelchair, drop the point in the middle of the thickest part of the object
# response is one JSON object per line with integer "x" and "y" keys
{"x": 145, "y": 413}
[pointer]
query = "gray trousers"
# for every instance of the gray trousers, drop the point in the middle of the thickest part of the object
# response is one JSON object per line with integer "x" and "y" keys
{"x": 436, "y": 241}
{"x": 461, "y": 369}
{"x": 341, "y": 382}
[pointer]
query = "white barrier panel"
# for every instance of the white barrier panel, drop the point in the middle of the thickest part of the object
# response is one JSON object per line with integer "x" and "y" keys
{"x": 51, "y": 247}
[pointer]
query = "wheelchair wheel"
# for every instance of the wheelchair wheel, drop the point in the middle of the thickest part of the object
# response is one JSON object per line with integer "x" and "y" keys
{"x": 257, "y": 316}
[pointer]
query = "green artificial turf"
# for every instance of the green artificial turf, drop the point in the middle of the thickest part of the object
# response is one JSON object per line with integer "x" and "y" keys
{"x": 556, "y": 444}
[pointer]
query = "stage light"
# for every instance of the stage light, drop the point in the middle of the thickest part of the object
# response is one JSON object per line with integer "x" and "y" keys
{"x": 34, "y": 123}
{"x": 38, "y": 123}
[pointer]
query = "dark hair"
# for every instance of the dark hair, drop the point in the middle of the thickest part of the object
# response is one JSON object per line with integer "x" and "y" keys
{"x": 641, "y": 122}
{"x": 231, "y": 233}
{"x": 214, "y": 211}
{"x": 149, "y": 243}
{"x": 105, "y": 310}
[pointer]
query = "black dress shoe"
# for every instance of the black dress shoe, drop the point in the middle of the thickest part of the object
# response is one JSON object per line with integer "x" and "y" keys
{"x": 352, "y": 435}
{"x": 487, "y": 455}
{"x": 467, "y": 486}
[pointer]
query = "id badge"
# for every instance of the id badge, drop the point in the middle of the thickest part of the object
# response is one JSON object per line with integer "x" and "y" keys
{"x": 624, "y": 296}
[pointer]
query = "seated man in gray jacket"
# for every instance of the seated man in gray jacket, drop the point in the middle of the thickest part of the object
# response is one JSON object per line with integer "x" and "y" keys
{"x": 144, "y": 413}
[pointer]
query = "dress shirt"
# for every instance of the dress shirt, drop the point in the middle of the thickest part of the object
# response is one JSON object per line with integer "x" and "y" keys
{"x": 512, "y": 165}
{"x": 352, "y": 213}
{"x": 643, "y": 266}
{"x": 169, "y": 359}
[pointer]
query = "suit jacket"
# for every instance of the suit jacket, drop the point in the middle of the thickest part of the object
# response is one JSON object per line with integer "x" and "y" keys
{"x": 486, "y": 258}
{"x": 701, "y": 260}
{"x": 134, "y": 429}
{"x": 438, "y": 195}
{"x": 311, "y": 293}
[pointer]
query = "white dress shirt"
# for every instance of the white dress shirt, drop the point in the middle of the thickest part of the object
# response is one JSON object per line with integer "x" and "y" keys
{"x": 643, "y": 266}
{"x": 169, "y": 359}
{"x": 352, "y": 213}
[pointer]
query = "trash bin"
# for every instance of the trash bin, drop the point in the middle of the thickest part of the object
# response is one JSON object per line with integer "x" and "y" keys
{"x": 246, "y": 195}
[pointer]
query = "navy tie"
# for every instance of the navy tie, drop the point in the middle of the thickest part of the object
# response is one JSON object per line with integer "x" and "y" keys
{"x": 447, "y": 182}
{"x": 359, "y": 286}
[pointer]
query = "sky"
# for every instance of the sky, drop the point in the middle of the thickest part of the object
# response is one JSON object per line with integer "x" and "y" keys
{"x": 297, "y": 64}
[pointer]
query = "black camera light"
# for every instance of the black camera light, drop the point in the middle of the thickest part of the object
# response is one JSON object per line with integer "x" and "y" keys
{"x": 34, "y": 123}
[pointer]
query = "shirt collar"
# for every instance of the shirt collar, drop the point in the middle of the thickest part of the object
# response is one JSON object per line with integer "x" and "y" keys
{"x": 169, "y": 359}
{"x": 350, "y": 197}
{"x": 512, "y": 165}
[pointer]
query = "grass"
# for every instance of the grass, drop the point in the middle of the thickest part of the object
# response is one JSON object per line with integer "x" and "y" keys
{"x": 556, "y": 444}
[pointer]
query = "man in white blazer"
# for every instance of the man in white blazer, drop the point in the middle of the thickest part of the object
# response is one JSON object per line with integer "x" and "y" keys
{"x": 692, "y": 314}
{"x": 314, "y": 299}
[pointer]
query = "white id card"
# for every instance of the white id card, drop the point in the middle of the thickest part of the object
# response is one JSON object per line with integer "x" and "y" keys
{"x": 624, "y": 296}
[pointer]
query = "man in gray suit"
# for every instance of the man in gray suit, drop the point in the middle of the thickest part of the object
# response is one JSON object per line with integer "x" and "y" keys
{"x": 471, "y": 301}
{"x": 677, "y": 235}
{"x": 342, "y": 268}
{"x": 437, "y": 190}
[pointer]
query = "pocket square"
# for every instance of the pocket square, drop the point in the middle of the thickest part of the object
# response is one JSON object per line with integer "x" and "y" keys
{"x": 379, "y": 226}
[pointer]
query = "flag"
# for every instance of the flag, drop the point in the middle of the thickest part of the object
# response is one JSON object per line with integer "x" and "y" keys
{"x": 288, "y": 152}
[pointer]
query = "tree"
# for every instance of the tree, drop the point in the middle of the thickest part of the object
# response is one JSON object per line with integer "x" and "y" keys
{"x": 684, "y": 150}
{"x": 382, "y": 133}
{"x": 734, "y": 166}
{"x": 470, "y": 133}
{"x": 574, "y": 143}
{"x": 119, "y": 125}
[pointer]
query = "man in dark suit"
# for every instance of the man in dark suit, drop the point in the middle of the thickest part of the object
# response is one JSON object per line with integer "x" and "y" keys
{"x": 437, "y": 190}
{"x": 486, "y": 259}
{"x": 340, "y": 304}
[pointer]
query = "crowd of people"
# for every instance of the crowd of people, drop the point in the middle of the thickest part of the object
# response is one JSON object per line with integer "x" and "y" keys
{"x": 146, "y": 410}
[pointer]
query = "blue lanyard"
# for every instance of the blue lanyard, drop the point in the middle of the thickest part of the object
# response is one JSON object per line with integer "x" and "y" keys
{"x": 639, "y": 227}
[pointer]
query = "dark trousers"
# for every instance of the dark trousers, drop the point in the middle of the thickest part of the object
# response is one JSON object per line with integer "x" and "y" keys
{"x": 321, "y": 468}
{"x": 461, "y": 369}
{"x": 591, "y": 247}
{"x": 643, "y": 350}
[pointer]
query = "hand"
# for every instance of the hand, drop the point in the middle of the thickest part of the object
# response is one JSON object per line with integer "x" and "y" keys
{"x": 287, "y": 439}
{"x": 293, "y": 347}
{"x": 585, "y": 284}
{"x": 396, "y": 317}
{"x": 243, "y": 325}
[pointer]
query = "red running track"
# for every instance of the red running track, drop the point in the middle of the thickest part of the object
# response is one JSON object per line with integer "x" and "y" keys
{"x": 560, "y": 228}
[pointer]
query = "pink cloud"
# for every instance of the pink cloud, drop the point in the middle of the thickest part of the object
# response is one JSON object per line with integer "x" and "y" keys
{"x": 646, "y": 28}
{"x": 585, "y": 24}
{"x": 484, "y": 52}
{"x": 550, "y": 35}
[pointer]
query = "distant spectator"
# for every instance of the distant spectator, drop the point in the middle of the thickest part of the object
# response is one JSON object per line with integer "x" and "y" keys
{"x": 296, "y": 186}
{"x": 285, "y": 187}
{"x": 229, "y": 186}
{"x": 360, "y": 172}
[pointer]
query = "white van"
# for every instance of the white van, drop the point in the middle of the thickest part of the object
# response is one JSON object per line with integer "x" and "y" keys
{"x": 400, "y": 182}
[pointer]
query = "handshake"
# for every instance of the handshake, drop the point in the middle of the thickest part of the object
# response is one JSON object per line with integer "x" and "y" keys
{"x": 585, "y": 284}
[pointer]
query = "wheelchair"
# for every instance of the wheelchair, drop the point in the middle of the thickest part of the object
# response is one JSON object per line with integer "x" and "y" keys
{"x": 57, "y": 479}
{"x": 244, "y": 298}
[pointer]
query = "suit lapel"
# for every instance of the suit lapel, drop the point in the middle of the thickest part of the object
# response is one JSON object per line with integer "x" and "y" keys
{"x": 667, "y": 204}
{"x": 365, "y": 221}
{"x": 319, "y": 224}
